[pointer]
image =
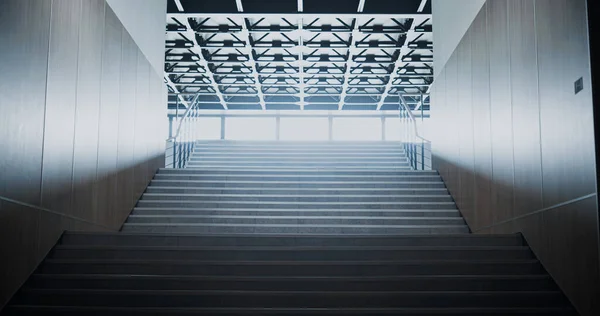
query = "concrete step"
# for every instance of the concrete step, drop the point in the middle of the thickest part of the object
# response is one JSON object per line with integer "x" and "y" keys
{"x": 274, "y": 177}
{"x": 371, "y": 198}
{"x": 288, "y": 212}
{"x": 306, "y": 164}
{"x": 292, "y": 220}
{"x": 294, "y": 268}
{"x": 299, "y": 158}
{"x": 300, "y": 184}
{"x": 323, "y": 150}
{"x": 125, "y": 239}
{"x": 397, "y": 205}
{"x": 289, "y": 299}
{"x": 293, "y": 229}
{"x": 295, "y": 191}
{"x": 229, "y": 283}
{"x": 364, "y": 166}
{"x": 360, "y": 171}
{"x": 310, "y": 146}
{"x": 153, "y": 311}
{"x": 298, "y": 253}
{"x": 305, "y": 154}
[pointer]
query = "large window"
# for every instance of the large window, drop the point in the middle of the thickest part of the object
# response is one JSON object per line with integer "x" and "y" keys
{"x": 250, "y": 128}
{"x": 304, "y": 128}
{"x": 209, "y": 128}
{"x": 392, "y": 129}
{"x": 357, "y": 128}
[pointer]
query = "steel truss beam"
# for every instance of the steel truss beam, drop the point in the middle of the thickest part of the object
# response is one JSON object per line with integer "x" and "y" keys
{"x": 297, "y": 60}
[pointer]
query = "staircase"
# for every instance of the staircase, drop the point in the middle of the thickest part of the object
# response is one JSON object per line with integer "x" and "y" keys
{"x": 292, "y": 229}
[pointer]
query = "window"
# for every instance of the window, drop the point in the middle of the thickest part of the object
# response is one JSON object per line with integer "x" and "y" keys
{"x": 209, "y": 128}
{"x": 392, "y": 129}
{"x": 304, "y": 128}
{"x": 357, "y": 128}
{"x": 250, "y": 128}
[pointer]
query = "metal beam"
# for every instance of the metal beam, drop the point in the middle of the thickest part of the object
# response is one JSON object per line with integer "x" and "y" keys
{"x": 422, "y": 6}
{"x": 250, "y": 52}
{"x": 361, "y": 6}
{"x": 294, "y": 16}
{"x": 238, "y": 4}
{"x": 175, "y": 90}
{"x": 197, "y": 50}
{"x": 349, "y": 64}
{"x": 179, "y": 6}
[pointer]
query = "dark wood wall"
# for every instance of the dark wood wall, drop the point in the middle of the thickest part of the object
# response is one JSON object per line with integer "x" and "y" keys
{"x": 82, "y": 126}
{"x": 516, "y": 144}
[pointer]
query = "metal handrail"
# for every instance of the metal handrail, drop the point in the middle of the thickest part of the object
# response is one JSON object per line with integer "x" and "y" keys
{"x": 183, "y": 141}
{"x": 413, "y": 148}
{"x": 412, "y": 118}
{"x": 191, "y": 107}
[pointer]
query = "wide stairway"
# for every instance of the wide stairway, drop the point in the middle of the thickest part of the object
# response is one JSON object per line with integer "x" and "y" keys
{"x": 256, "y": 228}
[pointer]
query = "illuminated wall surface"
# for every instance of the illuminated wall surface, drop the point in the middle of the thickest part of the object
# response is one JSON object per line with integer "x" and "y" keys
{"x": 82, "y": 126}
{"x": 514, "y": 142}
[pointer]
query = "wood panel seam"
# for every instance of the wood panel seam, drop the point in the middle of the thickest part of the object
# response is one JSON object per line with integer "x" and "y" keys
{"x": 581, "y": 198}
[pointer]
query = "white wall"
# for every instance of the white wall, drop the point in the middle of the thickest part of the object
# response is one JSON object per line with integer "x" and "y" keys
{"x": 145, "y": 20}
{"x": 451, "y": 19}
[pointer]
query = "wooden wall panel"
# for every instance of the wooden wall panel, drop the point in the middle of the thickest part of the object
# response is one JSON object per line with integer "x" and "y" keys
{"x": 501, "y": 111}
{"x": 68, "y": 126}
{"x": 127, "y": 104}
{"x": 482, "y": 152}
{"x": 22, "y": 104}
{"x": 451, "y": 139}
{"x": 525, "y": 107}
{"x": 534, "y": 168}
{"x": 108, "y": 133}
{"x": 465, "y": 128}
{"x": 85, "y": 152}
{"x": 141, "y": 135}
{"x": 567, "y": 148}
{"x": 61, "y": 103}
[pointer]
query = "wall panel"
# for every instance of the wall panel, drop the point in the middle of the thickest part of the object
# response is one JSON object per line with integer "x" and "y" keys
{"x": 451, "y": 139}
{"x": 85, "y": 151}
{"x": 465, "y": 128}
{"x": 22, "y": 105}
{"x": 127, "y": 104}
{"x": 61, "y": 104}
{"x": 526, "y": 108}
{"x": 108, "y": 121}
{"x": 534, "y": 169}
{"x": 141, "y": 124}
{"x": 482, "y": 143}
{"x": 501, "y": 110}
{"x": 567, "y": 149}
{"x": 68, "y": 129}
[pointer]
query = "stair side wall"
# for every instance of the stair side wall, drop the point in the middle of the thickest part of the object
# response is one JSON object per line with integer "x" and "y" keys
{"x": 81, "y": 127}
{"x": 516, "y": 143}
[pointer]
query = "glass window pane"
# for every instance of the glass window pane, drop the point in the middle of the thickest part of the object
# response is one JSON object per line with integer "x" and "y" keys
{"x": 304, "y": 128}
{"x": 392, "y": 129}
{"x": 209, "y": 128}
{"x": 250, "y": 128}
{"x": 357, "y": 128}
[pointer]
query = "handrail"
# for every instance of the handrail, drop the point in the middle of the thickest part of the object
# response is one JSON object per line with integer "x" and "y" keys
{"x": 417, "y": 147}
{"x": 412, "y": 118}
{"x": 181, "y": 121}
{"x": 183, "y": 141}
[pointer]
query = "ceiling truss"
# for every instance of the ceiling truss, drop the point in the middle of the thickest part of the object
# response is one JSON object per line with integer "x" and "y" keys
{"x": 247, "y": 60}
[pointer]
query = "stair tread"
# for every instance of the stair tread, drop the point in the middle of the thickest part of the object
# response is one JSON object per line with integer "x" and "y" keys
{"x": 299, "y": 248}
{"x": 387, "y": 278}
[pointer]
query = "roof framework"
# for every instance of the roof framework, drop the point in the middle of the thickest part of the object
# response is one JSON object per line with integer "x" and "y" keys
{"x": 294, "y": 54}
